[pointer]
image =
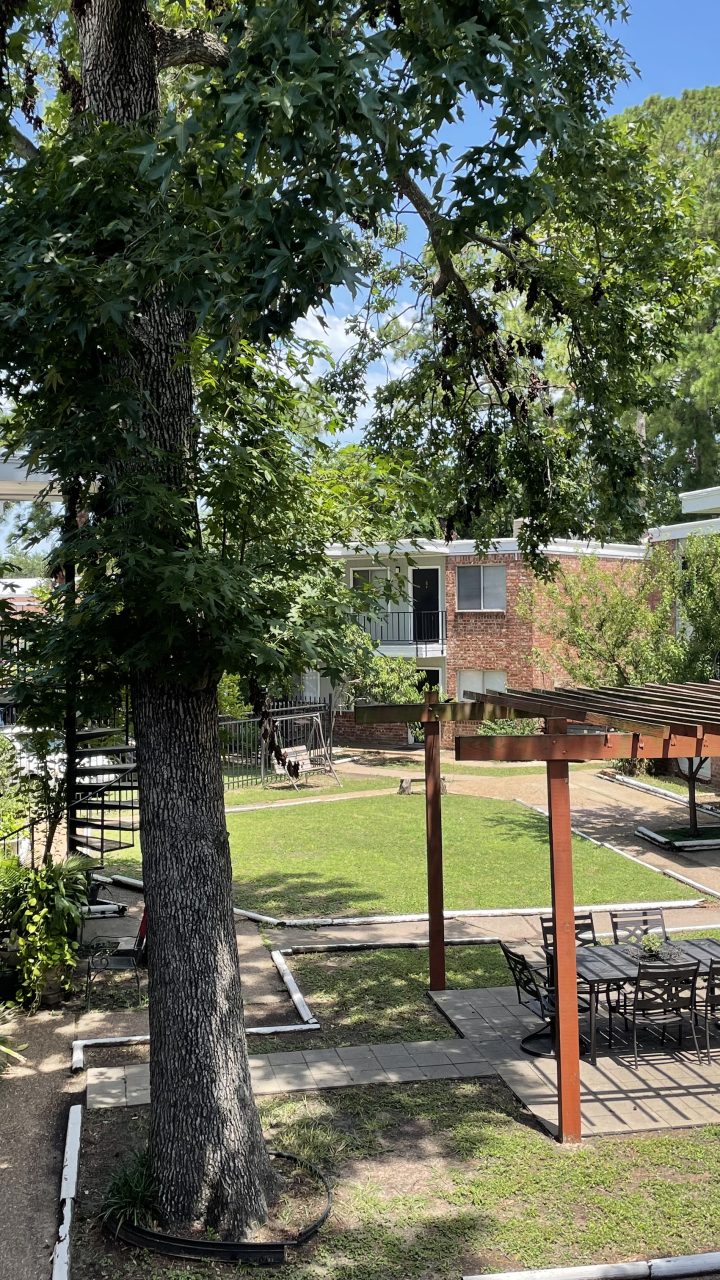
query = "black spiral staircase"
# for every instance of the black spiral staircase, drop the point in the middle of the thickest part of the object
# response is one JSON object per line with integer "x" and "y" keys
{"x": 104, "y": 818}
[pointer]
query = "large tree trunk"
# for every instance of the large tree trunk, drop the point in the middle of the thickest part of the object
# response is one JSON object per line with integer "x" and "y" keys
{"x": 206, "y": 1145}
{"x": 207, "y": 1153}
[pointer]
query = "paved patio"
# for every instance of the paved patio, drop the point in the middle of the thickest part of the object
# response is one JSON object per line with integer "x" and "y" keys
{"x": 670, "y": 1089}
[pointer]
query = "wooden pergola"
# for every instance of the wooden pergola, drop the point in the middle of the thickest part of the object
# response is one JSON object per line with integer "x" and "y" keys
{"x": 637, "y": 722}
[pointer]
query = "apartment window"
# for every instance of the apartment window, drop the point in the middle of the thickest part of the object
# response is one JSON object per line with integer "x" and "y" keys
{"x": 471, "y": 685}
{"x": 364, "y": 578}
{"x": 481, "y": 588}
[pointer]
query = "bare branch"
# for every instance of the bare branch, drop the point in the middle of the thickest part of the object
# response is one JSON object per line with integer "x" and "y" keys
{"x": 22, "y": 145}
{"x": 190, "y": 48}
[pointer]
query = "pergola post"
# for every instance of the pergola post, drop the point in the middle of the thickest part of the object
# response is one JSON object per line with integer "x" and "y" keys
{"x": 567, "y": 1031}
{"x": 433, "y": 826}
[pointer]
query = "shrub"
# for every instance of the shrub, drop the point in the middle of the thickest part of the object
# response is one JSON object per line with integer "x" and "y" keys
{"x": 42, "y": 908}
{"x": 131, "y": 1195}
{"x": 13, "y": 791}
{"x": 517, "y": 728}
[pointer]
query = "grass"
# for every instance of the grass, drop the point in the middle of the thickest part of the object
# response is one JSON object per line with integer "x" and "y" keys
{"x": 317, "y": 785}
{"x": 361, "y": 997}
{"x": 706, "y": 792}
{"x": 367, "y": 856}
{"x": 441, "y": 1180}
{"x": 684, "y": 833}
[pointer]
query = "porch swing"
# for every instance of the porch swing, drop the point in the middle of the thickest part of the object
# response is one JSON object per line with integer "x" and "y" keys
{"x": 282, "y": 756}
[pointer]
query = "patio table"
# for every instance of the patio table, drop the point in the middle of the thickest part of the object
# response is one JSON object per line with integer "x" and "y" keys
{"x": 618, "y": 964}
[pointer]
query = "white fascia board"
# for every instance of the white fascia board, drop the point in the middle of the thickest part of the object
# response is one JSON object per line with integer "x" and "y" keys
{"x": 675, "y": 532}
{"x": 701, "y": 500}
{"x": 501, "y": 546}
{"x": 17, "y": 484}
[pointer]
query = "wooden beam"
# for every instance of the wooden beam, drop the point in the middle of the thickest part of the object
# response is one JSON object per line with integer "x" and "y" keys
{"x": 567, "y": 1033}
{"x": 576, "y": 747}
{"x": 433, "y": 825}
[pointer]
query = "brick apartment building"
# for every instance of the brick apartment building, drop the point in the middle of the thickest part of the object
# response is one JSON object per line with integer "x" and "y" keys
{"x": 463, "y": 618}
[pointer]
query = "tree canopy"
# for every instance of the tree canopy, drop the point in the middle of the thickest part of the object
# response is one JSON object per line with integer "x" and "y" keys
{"x": 684, "y": 429}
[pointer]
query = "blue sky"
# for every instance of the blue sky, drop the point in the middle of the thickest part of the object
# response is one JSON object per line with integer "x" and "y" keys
{"x": 676, "y": 45}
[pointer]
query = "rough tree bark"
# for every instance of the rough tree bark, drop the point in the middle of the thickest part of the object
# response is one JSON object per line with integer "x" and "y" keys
{"x": 692, "y": 777}
{"x": 206, "y": 1147}
{"x": 205, "y": 1137}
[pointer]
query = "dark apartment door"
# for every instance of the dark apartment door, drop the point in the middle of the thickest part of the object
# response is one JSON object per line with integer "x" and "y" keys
{"x": 426, "y": 605}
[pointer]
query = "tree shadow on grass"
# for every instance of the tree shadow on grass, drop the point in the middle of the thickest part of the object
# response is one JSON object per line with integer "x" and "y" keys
{"x": 288, "y": 894}
{"x": 398, "y": 1156}
{"x": 380, "y": 996}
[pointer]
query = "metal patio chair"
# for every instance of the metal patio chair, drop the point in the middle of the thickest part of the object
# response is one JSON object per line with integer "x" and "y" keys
{"x": 707, "y": 1004}
{"x": 585, "y": 936}
{"x": 664, "y": 997}
{"x": 535, "y": 993}
{"x": 116, "y": 955}
{"x": 633, "y": 926}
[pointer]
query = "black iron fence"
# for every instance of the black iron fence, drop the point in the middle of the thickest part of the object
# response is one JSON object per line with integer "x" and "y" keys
{"x": 415, "y": 629}
{"x": 241, "y": 744}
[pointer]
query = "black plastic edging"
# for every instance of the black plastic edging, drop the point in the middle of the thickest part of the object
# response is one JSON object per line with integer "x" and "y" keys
{"x": 270, "y": 1253}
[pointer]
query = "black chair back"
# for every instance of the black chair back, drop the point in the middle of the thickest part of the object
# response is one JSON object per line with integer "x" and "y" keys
{"x": 633, "y": 926}
{"x": 524, "y": 977}
{"x": 585, "y": 935}
{"x": 664, "y": 992}
{"x": 712, "y": 990}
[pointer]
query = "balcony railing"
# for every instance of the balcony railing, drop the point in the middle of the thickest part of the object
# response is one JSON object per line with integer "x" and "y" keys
{"x": 419, "y": 629}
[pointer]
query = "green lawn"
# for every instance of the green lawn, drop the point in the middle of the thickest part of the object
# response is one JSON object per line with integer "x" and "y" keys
{"x": 317, "y": 785}
{"x": 707, "y": 793}
{"x": 367, "y": 856}
{"x": 361, "y": 997}
{"x": 679, "y": 834}
{"x": 441, "y": 1180}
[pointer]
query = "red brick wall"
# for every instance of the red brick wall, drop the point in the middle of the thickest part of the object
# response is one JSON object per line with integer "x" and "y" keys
{"x": 504, "y": 641}
{"x": 346, "y": 733}
{"x": 488, "y": 641}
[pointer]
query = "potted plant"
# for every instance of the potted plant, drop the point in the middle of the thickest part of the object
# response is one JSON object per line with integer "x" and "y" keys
{"x": 651, "y": 946}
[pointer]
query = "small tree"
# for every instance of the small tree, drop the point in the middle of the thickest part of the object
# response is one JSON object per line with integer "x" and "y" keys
{"x": 656, "y": 622}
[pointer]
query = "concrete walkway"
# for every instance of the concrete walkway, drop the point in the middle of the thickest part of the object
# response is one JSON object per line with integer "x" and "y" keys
{"x": 294, "y": 1072}
{"x": 289, "y": 804}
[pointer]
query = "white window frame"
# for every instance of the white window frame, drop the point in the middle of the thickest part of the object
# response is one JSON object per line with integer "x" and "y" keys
{"x": 482, "y": 568}
{"x": 482, "y": 685}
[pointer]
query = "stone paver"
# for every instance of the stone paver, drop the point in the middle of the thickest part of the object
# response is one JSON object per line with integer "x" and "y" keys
{"x": 669, "y": 1090}
{"x": 315, "y": 1069}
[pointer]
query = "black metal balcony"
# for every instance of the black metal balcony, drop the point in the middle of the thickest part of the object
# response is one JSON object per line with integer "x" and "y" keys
{"x": 417, "y": 630}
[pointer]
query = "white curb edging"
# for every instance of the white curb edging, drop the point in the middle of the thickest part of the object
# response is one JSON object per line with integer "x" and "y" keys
{"x": 338, "y": 922}
{"x": 631, "y": 857}
{"x": 68, "y": 1191}
{"x": 295, "y": 993}
{"x": 690, "y": 1264}
{"x": 647, "y": 787}
{"x": 309, "y": 1021}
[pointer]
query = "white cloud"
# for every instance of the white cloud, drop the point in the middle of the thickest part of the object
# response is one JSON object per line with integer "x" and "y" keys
{"x": 334, "y": 333}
